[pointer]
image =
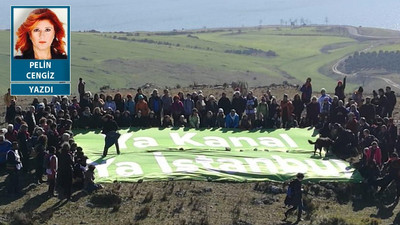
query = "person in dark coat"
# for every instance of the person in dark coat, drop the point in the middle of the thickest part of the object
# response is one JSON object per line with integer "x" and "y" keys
{"x": 298, "y": 107}
{"x": 110, "y": 129}
{"x": 306, "y": 91}
{"x": 25, "y": 151}
{"x": 383, "y": 104}
{"x": 391, "y": 97}
{"x": 294, "y": 197}
{"x": 312, "y": 112}
{"x": 225, "y": 103}
{"x": 65, "y": 171}
{"x": 155, "y": 105}
{"x": 13, "y": 165}
{"x": 10, "y": 112}
{"x": 339, "y": 89}
{"x": 339, "y": 114}
{"x": 367, "y": 110}
{"x": 238, "y": 103}
{"x": 81, "y": 88}
{"x": 40, "y": 149}
{"x": 391, "y": 170}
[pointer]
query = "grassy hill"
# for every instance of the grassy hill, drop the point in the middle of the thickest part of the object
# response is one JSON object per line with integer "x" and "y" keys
{"x": 126, "y": 60}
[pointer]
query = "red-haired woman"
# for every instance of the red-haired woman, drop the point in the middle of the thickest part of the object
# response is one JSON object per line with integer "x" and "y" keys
{"x": 41, "y": 36}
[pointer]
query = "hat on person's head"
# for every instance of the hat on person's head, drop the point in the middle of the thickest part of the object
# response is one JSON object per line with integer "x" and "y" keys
{"x": 323, "y": 90}
{"x": 339, "y": 82}
{"x": 236, "y": 92}
{"x": 221, "y": 110}
{"x": 140, "y": 97}
{"x": 199, "y": 92}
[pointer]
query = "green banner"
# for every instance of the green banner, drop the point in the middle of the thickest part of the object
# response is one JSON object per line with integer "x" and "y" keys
{"x": 214, "y": 155}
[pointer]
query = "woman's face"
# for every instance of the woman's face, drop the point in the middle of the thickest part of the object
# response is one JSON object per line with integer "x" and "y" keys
{"x": 42, "y": 35}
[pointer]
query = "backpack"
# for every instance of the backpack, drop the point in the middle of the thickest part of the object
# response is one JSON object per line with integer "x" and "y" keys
{"x": 289, "y": 196}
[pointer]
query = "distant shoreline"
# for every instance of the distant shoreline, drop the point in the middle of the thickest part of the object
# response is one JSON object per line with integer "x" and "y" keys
{"x": 220, "y": 29}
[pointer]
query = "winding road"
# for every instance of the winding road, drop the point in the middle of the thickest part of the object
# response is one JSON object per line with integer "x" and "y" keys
{"x": 353, "y": 31}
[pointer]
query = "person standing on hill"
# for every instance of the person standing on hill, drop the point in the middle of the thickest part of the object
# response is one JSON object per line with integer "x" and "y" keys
{"x": 251, "y": 106}
{"x": 51, "y": 170}
{"x": 391, "y": 98}
{"x": 286, "y": 109}
{"x": 294, "y": 197}
{"x": 358, "y": 96}
{"x": 81, "y": 88}
{"x": 238, "y": 103}
{"x": 339, "y": 89}
{"x": 306, "y": 91}
{"x": 166, "y": 100}
{"x": 13, "y": 165}
{"x": 65, "y": 171}
{"x": 8, "y": 97}
{"x": 383, "y": 104}
{"x": 225, "y": 103}
{"x": 155, "y": 104}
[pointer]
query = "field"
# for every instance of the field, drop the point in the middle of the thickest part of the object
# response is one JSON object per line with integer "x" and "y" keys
{"x": 130, "y": 60}
{"x": 183, "y": 58}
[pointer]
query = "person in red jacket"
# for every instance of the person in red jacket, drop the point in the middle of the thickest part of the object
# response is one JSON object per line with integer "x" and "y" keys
{"x": 286, "y": 109}
{"x": 374, "y": 154}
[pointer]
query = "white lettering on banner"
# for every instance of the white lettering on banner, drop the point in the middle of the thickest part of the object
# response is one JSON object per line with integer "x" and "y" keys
{"x": 205, "y": 162}
{"x": 162, "y": 162}
{"x": 215, "y": 142}
{"x": 41, "y": 89}
{"x": 40, "y": 65}
{"x": 102, "y": 168}
{"x": 295, "y": 167}
{"x": 231, "y": 165}
{"x": 127, "y": 169}
{"x": 185, "y": 165}
{"x": 255, "y": 168}
{"x": 329, "y": 171}
{"x": 343, "y": 167}
{"x": 271, "y": 142}
{"x": 122, "y": 140}
{"x": 185, "y": 139}
{"x": 289, "y": 140}
{"x": 236, "y": 141}
{"x": 144, "y": 142}
{"x": 274, "y": 165}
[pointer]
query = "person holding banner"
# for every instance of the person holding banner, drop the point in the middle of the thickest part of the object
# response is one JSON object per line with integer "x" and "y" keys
{"x": 110, "y": 128}
{"x": 40, "y": 36}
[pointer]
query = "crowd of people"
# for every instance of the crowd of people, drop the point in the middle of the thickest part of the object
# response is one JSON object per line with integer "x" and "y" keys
{"x": 41, "y": 137}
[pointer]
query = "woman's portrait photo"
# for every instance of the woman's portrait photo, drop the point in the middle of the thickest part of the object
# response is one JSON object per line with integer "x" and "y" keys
{"x": 40, "y": 33}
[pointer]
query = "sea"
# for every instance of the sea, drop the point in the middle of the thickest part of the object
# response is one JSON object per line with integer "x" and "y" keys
{"x": 168, "y": 15}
